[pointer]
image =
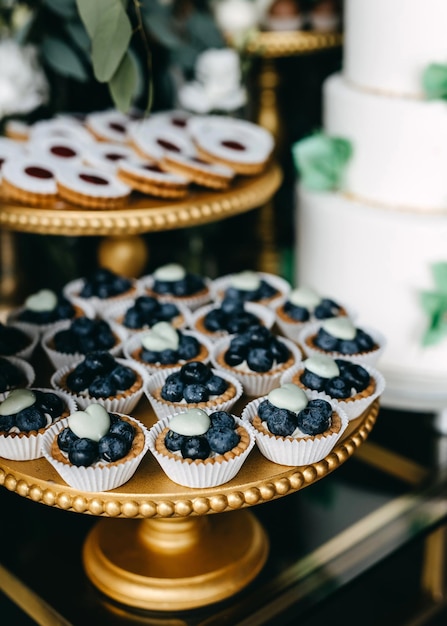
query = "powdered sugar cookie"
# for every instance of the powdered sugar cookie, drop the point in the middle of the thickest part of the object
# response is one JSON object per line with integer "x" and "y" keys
{"x": 213, "y": 175}
{"x": 107, "y": 155}
{"x": 91, "y": 188}
{"x": 9, "y": 148}
{"x": 148, "y": 177}
{"x": 109, "y": 125}
{"x": 67, "y": 128}
{"x": 239, "y": 144}
{"x": 29, "y": 180}
{"x": 17, "y": 130}
{"x": 57, "y": 150}
{"x": 153, "y": 140}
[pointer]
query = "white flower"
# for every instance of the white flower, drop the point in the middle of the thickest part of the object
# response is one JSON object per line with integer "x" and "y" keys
{"x": 236, "y": 17}
{"x": 23, "y": 85}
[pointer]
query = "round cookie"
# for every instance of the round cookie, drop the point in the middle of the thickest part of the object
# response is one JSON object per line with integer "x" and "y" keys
{"x": 57, "y": 150}
{"x": 10, "y": 149}
{"x": 109, "y": 125}
{"x": 153, "y": 140}
{"x": 108, "y": 155}
{"x": 213, "y": 175}
{"x": 29, "y": 180}
{"x": 67, "y": 128}
{"x": 91, "y": 188}
{"x": 150, "y": 178}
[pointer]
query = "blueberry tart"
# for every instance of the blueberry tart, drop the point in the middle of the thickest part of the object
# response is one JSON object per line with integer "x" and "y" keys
{"x": 249, "y": 286}
{"x": 143, "y": 312}
{"x": 294, "y": 427}
{"x": 96, "y": 450}
{"x": 14, "y": 373}
{"x": 353, "y": 386}
{"x": 199, "y": 449}
{"x": 173, "y": 283}
{"x": 18, "y": 339}
{"x": 25, "y": 416}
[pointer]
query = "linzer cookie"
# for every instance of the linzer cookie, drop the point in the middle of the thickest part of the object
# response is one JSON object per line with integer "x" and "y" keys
{"x": 241, "y": 145}
{"x": 199, "y": 171}
{"x": 91, "y": 188}
{"x": 107, "y": 155}
{"x": 153, "y": 141}
{"x": 29, "y": 180}
{"x": 57, "y": 150}
{"x": 150, "y": 178}
{"x": 110, "y": 125}
{"x": 63, "y": 128}
{"x": 10, "y": 149}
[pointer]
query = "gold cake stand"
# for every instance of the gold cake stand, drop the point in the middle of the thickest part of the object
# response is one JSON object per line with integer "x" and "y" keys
{"x": 165, "y": 549}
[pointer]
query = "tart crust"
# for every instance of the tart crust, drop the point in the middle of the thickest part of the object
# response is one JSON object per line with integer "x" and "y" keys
{"x": 122, "y": 394}
{"x": 310, "y": 341}
{"x": 228, "y": 395}
{"x": 34, "y": 433}
{"x": 368, "y": 391}
{"x": 202, "y": 355}
{"x": 169, "y": 297}
{"x": 279, "y": 367}
{"x": 333, "y": 429}
{"x": 281, "y": 313}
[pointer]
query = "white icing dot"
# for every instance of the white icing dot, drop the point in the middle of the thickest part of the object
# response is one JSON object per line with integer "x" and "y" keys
{"x": 16, "y": 401}
{"x": 191, "y": 423}
{"x": 305, "y": 297}
{"x": 162, "y": 336}
{"x": 92, "y": 423}
{"x": 245, "y": 281}
{"x": 340, "y": 327}
{"x": 170, "y": 272}
{"x": 322, "y": 365}
{"x": 288, "y": 396}
{"x": 43, "y": 300}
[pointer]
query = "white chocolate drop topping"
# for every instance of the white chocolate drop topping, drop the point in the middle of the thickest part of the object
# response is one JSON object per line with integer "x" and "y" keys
{"x": 245, "y": 281}
{"x": 43, "y": 300}
{"x": 170, "y": 272}
{"x": 322, "y": 365}
{"x": 192, "y": 423}
{"x": 16, "y": 401}
{"x": 92, "y": 423}
{"x": 305, "y": 297}
{"x": 162, "y": 336}
{"x": 340, "y": 327}
{"x": 288, "y": 396}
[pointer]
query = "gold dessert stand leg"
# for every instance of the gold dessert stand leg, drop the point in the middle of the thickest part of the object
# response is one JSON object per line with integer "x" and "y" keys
{"x": 175, "y": 563}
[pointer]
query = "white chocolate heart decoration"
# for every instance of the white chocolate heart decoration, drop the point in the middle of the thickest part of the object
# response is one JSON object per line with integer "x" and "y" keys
{"x": 162, "y": 336}
{"x": 92, "y": 423}
{"x": 16, "y": 401}
{"x": 190, "y": 423}
{"x": 305, "y": 297}
{"x": 288, "y": 396}
{"x": 170, "y": 272}
{"x": 340, "y": 327}
{"x": 322, "y": 365}
{"x": 245, "y": 281}
{"x": 43, "y": 300}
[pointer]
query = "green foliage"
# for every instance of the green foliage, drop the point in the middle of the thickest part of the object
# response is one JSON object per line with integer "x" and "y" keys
{"x": 62, "y": 59}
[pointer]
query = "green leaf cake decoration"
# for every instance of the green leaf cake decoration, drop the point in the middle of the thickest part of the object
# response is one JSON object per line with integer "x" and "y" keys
{"x": 434, "y": 304}
{"x": 321, "y": 160}
{"x": 434, "y": 81}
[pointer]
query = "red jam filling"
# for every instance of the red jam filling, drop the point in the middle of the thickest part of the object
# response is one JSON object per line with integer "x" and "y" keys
{"x": 1, "y": 163}
{"x": 153, "y": 168}
{"x": 180, "y": 122}
{"x": 233, "y": 145}
{"x": 93, "y": 180}
{"x": 112, "y": 156}
{"x": 38, "y": 172}
{"x": 63, "y": 151}
{"x": 167, "y": 145}
{"x": 118, "y": 127}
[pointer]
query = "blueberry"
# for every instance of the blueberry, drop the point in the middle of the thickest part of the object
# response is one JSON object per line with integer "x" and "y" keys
{"x": 168, "y": 357}
{"x": 297, "y": 313}
{"x": 266, "y": 290}
{"x": 124, "y": 377}
{"x": 279, "y": 351}
{"x": 150, "y": 356}
{"x": 133, "y": 318}
{"x": 167, "y": 311}
{"x": 113, "y": 447}
{"x": 65, "y": 341}
{"x": 172, "y": 390}
{"x": 105, "y": 339}
{"x": 86, "y": 343}
{"x": 233, "y": 357}
{"x": 337, "y": 388}
{"x": 180, "y": 287}
{"x": 354, "y": 374}
{"x": 78, "y": 382}
{"x": 222, "y": 439}
{"x": 265, "y": 409}
{"x": 189, "y": 347}
{"x": 147, "y": 305}
{"x": 195, "y": 448}
{"x": 281, "y": 422}
{"x": 326, "y": 308}
{"x": 100, "y": 361}
{"x": 222, "y": 419}
{"x": 65, "y": 439}
{"x": 348, "y": 346}
{"x": 196, "y": 392}
{"x": 50, "y": 403}
{"x": 195, "y": 283}
{"x": 162, "y": 287}
{"x": 259, "y": 360}
{"x": 314, "y": 419}
{"x": 102, "y": 387}
{"x": 82, "y": 326}
{"x": 120, "y": 284}
{"x": 64, "y": 310}
{"x": 325, "y": 341}
{"x": 365, "y": 341}
{"x": 30, "y": 418}
{"x": 195, "y": 372}
{"x": 6, "y": 422}
{"x": 174, "y": 441}
{"x": 83, "y": 452}
{"x": 215, "y": 320}
{"x": 321, "y": 405}
{"x": 259, "y": 336}
{"x": 241, "y": 322}
{"x": 216, "y": 385}
{"x": 312, "y": 380}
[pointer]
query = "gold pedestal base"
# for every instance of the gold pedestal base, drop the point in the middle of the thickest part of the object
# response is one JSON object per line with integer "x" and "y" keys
{"x": 175, "y": 564}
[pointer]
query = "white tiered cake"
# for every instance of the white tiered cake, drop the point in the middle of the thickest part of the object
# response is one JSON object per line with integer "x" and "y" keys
{"x": 374, "y": 241}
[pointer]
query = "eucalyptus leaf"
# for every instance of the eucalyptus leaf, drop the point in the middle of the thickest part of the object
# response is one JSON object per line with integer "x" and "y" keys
{"x": 203, "y": 31}
{"x": 63, "y": 59}
{"x": 123, "y": 83}
{"x": 64, "y": 8}
{"x": 78, "y": 33}
{"x": 110, "y": 30}
{"x": 159, "y": 25}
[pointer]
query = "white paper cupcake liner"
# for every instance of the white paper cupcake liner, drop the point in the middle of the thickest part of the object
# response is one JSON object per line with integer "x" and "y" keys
{"x": 33, "y": 336}
{"x": 166, "y": 409}
{"x": 353, "y": 408}
{"x": 265, "y": 314}
{"x": 294, "y": 452}
{"x": 29, "y": 447}
{"x": 219, "y": 286}
{"x": 115, "y": 313}
{"x": 73, "y": 289}
{"x": 99, "y": 478}
{"x": 123, "y": 404}
{"x": 199, "y": 475}
{"x": 193, "y": 302}
{"x": 134, "y": 342}
{"x": 370, "y": 358}
{"x": 255, "y": 383}
{"x": 41, "y": 329}
{"x": 26, "y": 368}
{"x": 63, "y": 359}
